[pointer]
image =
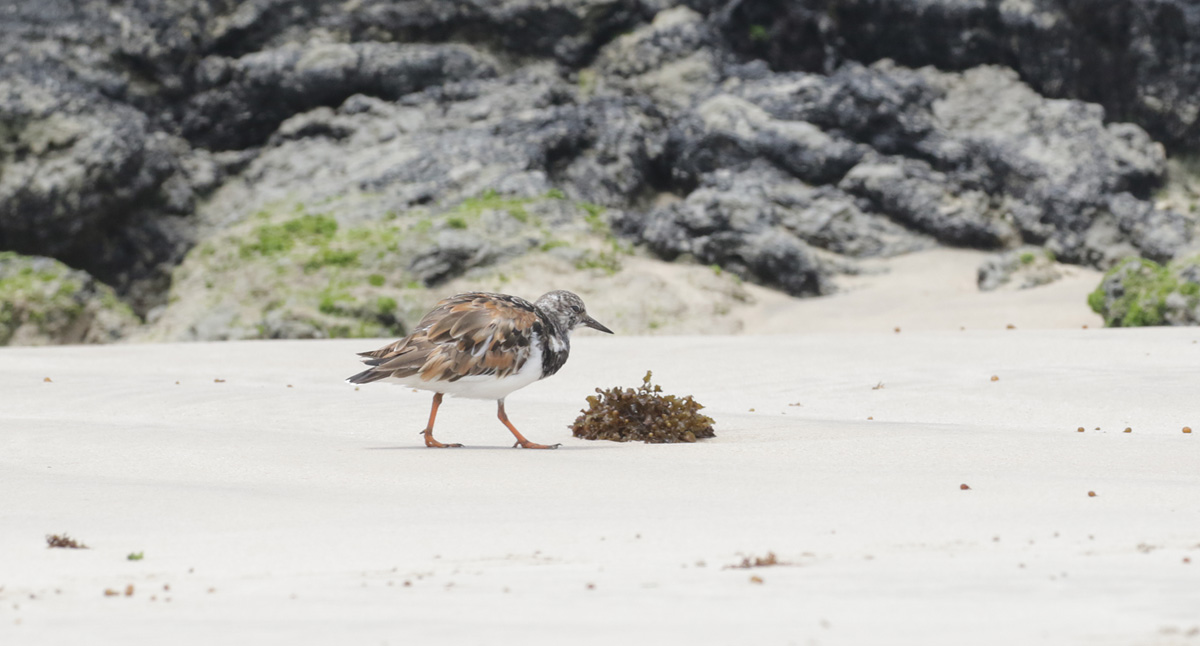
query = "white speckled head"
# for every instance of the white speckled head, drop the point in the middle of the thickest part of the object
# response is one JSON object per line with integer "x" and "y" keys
{"x": 567, "y": 310}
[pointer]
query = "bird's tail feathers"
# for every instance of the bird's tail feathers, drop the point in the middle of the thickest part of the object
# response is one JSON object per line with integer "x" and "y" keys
{"x": 368, "y": 376}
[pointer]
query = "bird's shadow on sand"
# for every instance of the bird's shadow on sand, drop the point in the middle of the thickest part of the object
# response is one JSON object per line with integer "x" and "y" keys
{"x": 481, "y": 448}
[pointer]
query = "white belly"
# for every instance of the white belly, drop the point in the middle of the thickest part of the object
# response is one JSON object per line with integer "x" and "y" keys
{"x": 483, "y": 386}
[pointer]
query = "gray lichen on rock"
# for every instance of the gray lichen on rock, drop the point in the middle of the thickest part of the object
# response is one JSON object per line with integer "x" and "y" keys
{"x": 1022, "y": 268}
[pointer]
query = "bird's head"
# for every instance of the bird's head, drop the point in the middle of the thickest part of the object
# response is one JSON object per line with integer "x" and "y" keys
{"x": 568, "y": 310}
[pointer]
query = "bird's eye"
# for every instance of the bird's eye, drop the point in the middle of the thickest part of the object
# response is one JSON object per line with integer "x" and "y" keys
{"x": 577, "y": 308}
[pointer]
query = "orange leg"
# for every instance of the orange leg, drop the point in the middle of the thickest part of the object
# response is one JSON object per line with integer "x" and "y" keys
{"x": 521, "y": 441}
{"x": 429, "y": 441}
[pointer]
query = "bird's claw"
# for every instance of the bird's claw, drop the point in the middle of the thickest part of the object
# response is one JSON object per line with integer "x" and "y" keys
{"x": 434, "y": 444}
{"x": 532, "y": 445}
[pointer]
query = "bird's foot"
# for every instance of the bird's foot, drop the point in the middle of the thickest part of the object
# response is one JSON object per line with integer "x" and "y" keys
{"x": 434, "y": 444}
{"x": 532, "y": 445}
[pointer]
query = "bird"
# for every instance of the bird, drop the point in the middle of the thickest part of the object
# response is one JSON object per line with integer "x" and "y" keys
{"x": 481, "y": 345}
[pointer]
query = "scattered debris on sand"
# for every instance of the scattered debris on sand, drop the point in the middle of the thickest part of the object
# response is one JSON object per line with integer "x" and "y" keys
{"x": 769, "y": 560}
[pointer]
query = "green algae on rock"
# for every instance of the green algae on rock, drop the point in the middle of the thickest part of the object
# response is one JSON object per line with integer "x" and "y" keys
{"x": 290, "y": 271}
{"x": 300, "y": 270}
{"x": 645, "y": 414}
{"x": 1139, "y": 292}
{"x": 44, "y": 302}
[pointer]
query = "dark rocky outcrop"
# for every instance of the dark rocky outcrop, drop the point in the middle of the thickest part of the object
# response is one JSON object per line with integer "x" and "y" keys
{"x": 779, "y": 140}
{"x": 1138, "y": 59}
{"x": 766, "y": 226}
{"x": 912, "y": 193}
{"x": 568, "y": 31}
{"x": 972, "y": 159}
{"x": 240, "y": 102}
{"x": 86, "y": 180}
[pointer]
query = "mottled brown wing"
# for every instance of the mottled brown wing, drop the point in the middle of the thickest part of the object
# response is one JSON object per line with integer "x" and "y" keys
{"x": 465, "y": 335}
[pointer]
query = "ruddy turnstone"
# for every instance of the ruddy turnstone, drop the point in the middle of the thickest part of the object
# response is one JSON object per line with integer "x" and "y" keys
{"x": 481, "y": 346}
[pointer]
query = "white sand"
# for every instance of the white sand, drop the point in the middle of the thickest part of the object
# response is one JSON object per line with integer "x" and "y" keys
{"x": 931, "y": 290}
{"x": 313, "y": 514}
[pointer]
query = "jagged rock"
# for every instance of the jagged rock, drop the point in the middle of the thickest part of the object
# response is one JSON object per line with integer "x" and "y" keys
{"x": 1139, "y": 59}
{"x": 570, "y": 31}
{"x": 914, "y": 194}
{"x": 672, "y": 61}
{"x": 974, "y": 159}
{"x": 1138, "y": 292}
{"x": 763, "y": 225}
{"x": 617, "y": 155}
{"x": 729, "y": 132}
{"x": 243, "y": 100}
{"x": 1058, "y": 157}
{"x": 763, "y": 199}
{"x": 982, "y": 125}
{"x": 1022, "y": 268}
{"x": 887, "y": 108}
{"x": 44, "y": 302}
{"x": 768, "y": 258}
{"x": 86, "y": 180}
{"x": 1157, "y": 234}
{"x": 977, "y": 158}
{"x": 520, "y": 135}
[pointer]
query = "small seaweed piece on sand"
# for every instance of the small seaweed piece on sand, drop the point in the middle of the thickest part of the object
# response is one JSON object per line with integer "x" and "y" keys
{"x": 759, "y": 561}
{"x": 64, "y": 541}
{"x": 645, "y": 414}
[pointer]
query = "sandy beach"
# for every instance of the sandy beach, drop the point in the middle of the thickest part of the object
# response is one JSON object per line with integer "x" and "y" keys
{"x": 878, "y": 240}
{"x": 281, "y": 505}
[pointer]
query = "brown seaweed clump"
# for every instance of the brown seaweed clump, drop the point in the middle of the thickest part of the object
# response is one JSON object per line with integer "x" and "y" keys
{"x": 64, "y": 541}
{"x": 625, "y": 414}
